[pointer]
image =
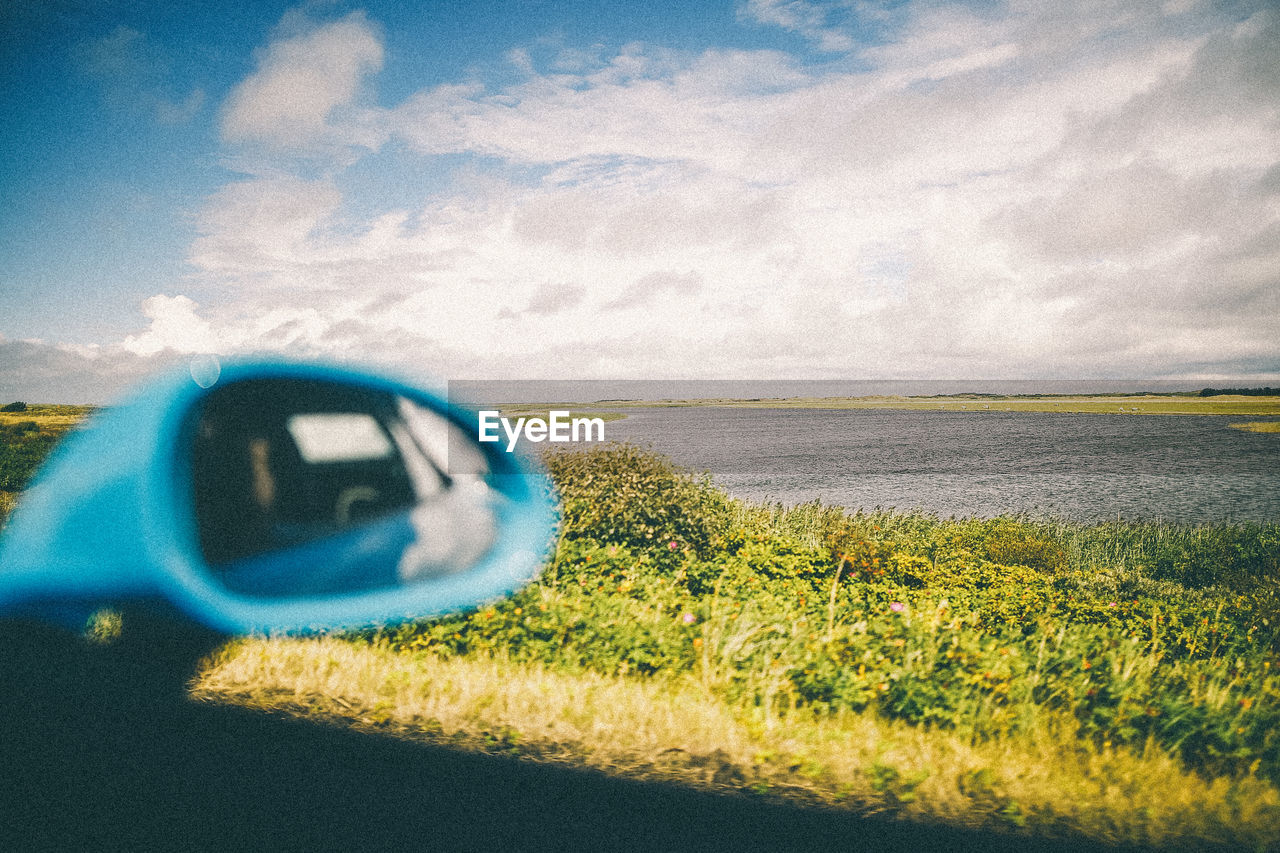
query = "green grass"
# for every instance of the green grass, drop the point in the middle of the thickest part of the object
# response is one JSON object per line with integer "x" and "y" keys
{"x": 1117, "y": 680}
{"x": 1019, "y": 674}
{"x": 25, "y": 442}
{"x": 26, "y": 438}
{"x": 49, "y": 415}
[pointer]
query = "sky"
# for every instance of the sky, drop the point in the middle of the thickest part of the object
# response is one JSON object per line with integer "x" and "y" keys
{"x": 761, "y": 189}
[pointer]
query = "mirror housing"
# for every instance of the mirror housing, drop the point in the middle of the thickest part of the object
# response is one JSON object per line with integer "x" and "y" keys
{"x": 112, "y": 518}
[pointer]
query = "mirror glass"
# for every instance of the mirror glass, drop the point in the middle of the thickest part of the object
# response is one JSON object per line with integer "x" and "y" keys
{"x": 306, "y": 488}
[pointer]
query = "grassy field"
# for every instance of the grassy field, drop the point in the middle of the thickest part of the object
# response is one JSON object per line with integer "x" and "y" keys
{"x": 51, "y": 417}
{"x": 26, "y": 438}
{"x": 1021, "y": 675}
{"x": 1144, "y": 404}
{"x": 1119, "y": 681}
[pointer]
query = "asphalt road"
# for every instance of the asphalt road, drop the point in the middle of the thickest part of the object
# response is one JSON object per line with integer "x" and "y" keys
{"x": 100, "y": 750}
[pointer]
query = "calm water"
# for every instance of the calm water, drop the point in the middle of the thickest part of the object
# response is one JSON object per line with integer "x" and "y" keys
{"x": 1077, "y": 466}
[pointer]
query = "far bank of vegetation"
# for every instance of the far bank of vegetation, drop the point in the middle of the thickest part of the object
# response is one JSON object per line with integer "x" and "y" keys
{"x": 1106, "y": 683}
{"x": 1189, "y": 403}
{"x": 1240, "y": 392}
{"x": 544, "y": 412}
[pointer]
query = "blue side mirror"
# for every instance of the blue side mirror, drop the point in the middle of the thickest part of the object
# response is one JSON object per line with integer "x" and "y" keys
{"x": 284, "y": 497}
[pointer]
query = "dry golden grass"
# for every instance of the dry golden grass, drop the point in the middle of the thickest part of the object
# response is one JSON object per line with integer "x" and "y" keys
{"x": 48, "y": 417}
{"x": 675, "y": 730}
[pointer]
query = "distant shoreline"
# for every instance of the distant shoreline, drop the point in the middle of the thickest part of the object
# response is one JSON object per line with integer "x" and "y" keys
{"x": 1127, "y": 404}
{"x": 1180, "y": 403}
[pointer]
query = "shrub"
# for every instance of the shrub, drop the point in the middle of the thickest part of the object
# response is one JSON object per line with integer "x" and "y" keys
{"x": 1227, "y": 554}
{"x": 1017, "y": 543}
{"x": 619, "y": 494}
{"x": 14, "y": 407}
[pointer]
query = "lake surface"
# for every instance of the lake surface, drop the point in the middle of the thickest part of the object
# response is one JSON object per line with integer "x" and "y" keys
{"x": 1076, "y": 466}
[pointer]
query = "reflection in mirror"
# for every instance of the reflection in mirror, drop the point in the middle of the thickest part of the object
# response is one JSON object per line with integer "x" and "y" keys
{"x": 305, "y": 488}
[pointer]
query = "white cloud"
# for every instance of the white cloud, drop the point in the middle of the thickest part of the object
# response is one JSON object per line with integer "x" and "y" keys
{"x": 174, "y": 326}
{"x": 644, "y": 292}
{"x": 1026, "y": 190}
{"x": 304, "y": 87}
{"x": 255, "y": 228}
{"x": 806, "y": 18}
{"x": 653, "y": 106}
